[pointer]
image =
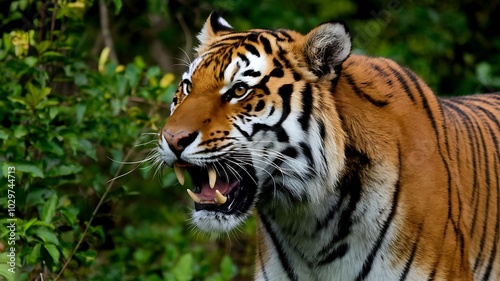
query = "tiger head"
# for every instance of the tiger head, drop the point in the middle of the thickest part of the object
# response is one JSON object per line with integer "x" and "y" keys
{"x": 253, "y": 121}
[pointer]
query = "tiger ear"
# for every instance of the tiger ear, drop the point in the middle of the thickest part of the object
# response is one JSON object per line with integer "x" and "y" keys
{"x": 212, "y": 29}
{"x": 326, "y": 47}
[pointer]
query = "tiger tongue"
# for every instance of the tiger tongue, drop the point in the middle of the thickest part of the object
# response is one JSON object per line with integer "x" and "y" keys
{"x": 209, "y": 194}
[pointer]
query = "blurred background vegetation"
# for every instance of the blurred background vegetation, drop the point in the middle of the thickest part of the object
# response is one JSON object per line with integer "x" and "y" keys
{"x": 86, "y": 84}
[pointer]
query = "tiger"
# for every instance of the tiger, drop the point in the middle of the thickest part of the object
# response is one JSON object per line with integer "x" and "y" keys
{"x": 353, "y": 168}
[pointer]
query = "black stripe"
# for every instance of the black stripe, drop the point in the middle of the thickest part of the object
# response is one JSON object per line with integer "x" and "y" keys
{"x": 414, "y": 79}
{"x": 379, "y": 70}
{"x": 267, "y": 45}
{"x": 285, "y": 34}
{"x": 475, "y": 117}
{"x": 263, "y": 265}
{"x": 337, "y": 252}
{"x": 285, "y": 92}
{"x": 403, "y": 83}
{"x": 456, "y": 228}
{"x": 455, "y": 223}
{"x": 277, "y": 72}
{"x": 307, "y": 106}
{"x": 279, "y": 249}
{"x": 363, "y": 95}
{"x": 306, "y": 150}
{"x": 251, "y": 73}
{"x": 486, "y": 155}
{"x": 410, "y": 260}
{"x": 244, "y": 59}
{"x": 473, "y": 142}
{"x": 368, "y": 263}
{"x": 282, "y": 56}
{"x": 496, "y": 238}
{"x": 290, "y": 152}
{"x": 430, "y": 116}
{"x": 471, "y": 119}
{"x": 322, "y": 130}
{"x": 260, "y": 105}
{"x": 478, "y": 99}
{"x": 350, "y": 192}
{"x": 277, "y": 63}
{"x": 484, "y": 99}
{"x": 252, "y": 50}
{"x": 262, "y": 85}
{"x": 244, "y": 133}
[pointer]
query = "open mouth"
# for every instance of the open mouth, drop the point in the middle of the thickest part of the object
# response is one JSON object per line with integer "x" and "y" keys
{"x": 227, "y": 190}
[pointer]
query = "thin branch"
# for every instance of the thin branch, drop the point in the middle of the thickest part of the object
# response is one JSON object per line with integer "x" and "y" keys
{"x": 103, "y": 197}
{"x": 53, "y": 23}
{"x": 106, "y": 33}
{"x": 42, "y": 21}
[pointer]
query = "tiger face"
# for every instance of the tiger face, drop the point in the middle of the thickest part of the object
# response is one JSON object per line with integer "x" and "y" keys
{"x": 244, "y": 121}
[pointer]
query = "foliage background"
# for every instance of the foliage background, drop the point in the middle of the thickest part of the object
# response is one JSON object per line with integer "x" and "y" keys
{"x": 85, "y": 85}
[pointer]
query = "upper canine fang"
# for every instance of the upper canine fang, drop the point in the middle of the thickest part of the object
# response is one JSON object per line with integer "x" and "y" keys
{"x": 212, "y": 177}
{"x": 179, "y": 173}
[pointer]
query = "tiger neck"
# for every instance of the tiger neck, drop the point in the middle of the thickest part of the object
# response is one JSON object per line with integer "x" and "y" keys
{"x": 302, "y": 219}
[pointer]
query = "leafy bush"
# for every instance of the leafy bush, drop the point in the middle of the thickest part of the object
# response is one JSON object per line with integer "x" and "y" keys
{"x": 69, "y": 129}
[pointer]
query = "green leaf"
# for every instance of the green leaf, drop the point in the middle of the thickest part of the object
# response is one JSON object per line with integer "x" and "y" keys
{"x": 29, "y": 168}
{"x": 81, "y": 79}
{"x": 70, "y": 213}
{"x": 20, "y": 131}
{"x": 49, "y": 209}
{"x": 139, "y": 62}
{"x": 3, "y": 135}
{"x": 153, "y": 71}
{"x": 227, "y": 268}
{"x": 41, "y": 47}
{"x": 34, "y": 254}
{"x": 31, "y": 223}
{"x": 64, "y": 170}
{"x": 35, "y": 95}
{"x": 30, "y": 61}
{"x": 5, "y": 274}
{"x": 183, "y": 270}
{"x": 87, "y": 257}
{"x": 80, "y": 112}
{"x": 88, "y": 148}
{"x": 52, "y": 54}
{"x": 483, "y": 73}
{"x": 47, "y": 235}
{"x": 53, "y": 252}
{"x": 118, "y": 6}
{"x": 132, "y": 74}
{"x": 53, "y": 111}
{"x": 23, "y": 4}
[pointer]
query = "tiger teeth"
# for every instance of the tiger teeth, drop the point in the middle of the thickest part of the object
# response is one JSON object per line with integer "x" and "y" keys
{"x": 193, "y": 196}
{"x": 179, "y": 173}
{"x": 212, "y": 177}
{"x": 219, "y": 198}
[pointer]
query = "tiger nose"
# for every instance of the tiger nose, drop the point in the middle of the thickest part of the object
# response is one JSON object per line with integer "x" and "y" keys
{"x": 178, "y": 141}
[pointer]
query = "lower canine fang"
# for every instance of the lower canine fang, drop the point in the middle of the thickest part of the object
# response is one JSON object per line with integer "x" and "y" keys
{"x": 219, "y": 198}
{"x": 193, "y": 196}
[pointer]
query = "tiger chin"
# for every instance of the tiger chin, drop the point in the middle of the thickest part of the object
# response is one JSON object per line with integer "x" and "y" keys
{"x": 355, "y": 169}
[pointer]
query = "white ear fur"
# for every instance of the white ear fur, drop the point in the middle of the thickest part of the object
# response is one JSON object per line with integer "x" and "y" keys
{"x": 214, "y": 26}
{"x": 327, "y": 46}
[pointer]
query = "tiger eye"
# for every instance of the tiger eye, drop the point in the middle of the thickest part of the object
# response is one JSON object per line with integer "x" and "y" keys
{"x": 239, "y": 90}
